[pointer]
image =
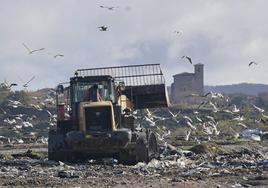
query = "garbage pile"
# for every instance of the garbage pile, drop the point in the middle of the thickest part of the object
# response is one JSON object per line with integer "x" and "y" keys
{"x": 24, "y": 123}
{"x": 240, "y": 164}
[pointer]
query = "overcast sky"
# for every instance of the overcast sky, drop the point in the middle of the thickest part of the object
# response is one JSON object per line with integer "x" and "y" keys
{"x": 224, "y": 35}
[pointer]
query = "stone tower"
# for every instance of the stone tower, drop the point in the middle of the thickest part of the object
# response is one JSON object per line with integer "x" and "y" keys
{"x": 186, "y": 84}
{"x": 199, "y": 78}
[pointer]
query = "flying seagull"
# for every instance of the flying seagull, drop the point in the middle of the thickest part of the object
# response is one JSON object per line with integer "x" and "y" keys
{"x": 252, "y": 63}
{"x": 3, "y": 110}
{"x": 191, "y": 125}
{"x": 26, "y": 84}
{"x": 103, "y": 28}
{"x": 188, "y": 58}
{"x": 188, "y": 118}
{"x": 208, "y": 93}
{"x": 235, "y": 109}
{"x": 187, "y": 135}
{"x": 56, "y": 55}
{"x": 32, "y": 51}
{"x": 258, "y": 109}
{"x": 109, "y": 8}
{"x": 174, "y": 115}
{"x": 8, "y": 86}
{"x": 13, "y": 84}
{"x": 215, "y": 109}
{"x": 179, "y": 32}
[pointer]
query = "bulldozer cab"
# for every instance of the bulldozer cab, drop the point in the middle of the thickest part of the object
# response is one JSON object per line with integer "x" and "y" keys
{"x": 79, "y": 98}
{"x": 92, "y": 88}
{"x": 92, "y": 99}
{"x": 113, "y": 88}
{"x": 142, "y": 85}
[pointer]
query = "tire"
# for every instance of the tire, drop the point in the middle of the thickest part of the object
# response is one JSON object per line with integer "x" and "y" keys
{"x": 153, "y": 151}
{"x": 126, "y": 158}
{"x": 142, "y": 150}
{"x": 58, "y": 149}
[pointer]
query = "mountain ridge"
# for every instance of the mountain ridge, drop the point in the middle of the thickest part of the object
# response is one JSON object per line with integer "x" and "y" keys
{"x": 246, "y": 88}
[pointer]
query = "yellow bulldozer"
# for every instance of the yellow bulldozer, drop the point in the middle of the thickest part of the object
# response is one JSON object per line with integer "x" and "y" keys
{"x": 95, "y": 114}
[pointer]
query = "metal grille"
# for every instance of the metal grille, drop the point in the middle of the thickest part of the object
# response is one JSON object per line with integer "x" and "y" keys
{"x": 98, "y": 118}
{"x": 132, "y": 75}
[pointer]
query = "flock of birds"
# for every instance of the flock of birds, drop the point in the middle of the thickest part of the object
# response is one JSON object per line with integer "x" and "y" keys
{"x": 56, "y": 55}
{"x": 105, "y": 28}
{"x": 9, "y": 86}
{"x": 196, "y": 121}
{"x": 206, "y": 124}
{"x": 22, "y": 124}
{"x": 31, "y": 51}
{"x": 189, "y": 59}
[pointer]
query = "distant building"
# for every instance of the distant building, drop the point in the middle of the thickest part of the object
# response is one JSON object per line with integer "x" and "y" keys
{"x": 186, "y": 84}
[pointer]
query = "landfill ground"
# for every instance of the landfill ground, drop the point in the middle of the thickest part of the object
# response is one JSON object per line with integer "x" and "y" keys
{"x": 212, "y": 165}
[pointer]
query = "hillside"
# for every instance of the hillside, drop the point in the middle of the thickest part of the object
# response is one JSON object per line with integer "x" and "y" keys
{"x": 246, "y": 88}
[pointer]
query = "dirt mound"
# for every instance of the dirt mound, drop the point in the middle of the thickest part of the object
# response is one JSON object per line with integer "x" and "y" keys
{"x": 207, "y": 148}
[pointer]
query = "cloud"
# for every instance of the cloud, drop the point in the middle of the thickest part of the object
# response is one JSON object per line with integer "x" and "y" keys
{"x": 224, "y": 35}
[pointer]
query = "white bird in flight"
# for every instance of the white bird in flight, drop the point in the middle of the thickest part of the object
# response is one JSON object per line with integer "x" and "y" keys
{"x": 151, "y": 122}
{"x": 199, "y": 119}
{"x": 258, "y": 109}
{"x": 56, "y": 55}
{"x": 215, "y": 109}
{"x": 211, "y": 118}
{"x": 174, "y": 115}
{"x": 188, "y": 118}
{"x": 109, "y": 8}
{"x": 187, "y": 135}
{"x": 235, "y": 109}
{"x": 242, "y": 124}
{"x": 239, "y": 118}
{"x": 32, "y": 51}
{"x": 190, "y": 125}
{"x": 26, "y": 84}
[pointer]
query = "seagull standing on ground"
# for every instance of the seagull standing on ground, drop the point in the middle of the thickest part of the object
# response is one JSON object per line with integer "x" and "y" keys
{"x": 188, "y": 58}
{"x": 32, "y": 51}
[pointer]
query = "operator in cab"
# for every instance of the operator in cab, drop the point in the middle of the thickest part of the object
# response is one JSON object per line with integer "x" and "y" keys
{"x": 93, "y": 94}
